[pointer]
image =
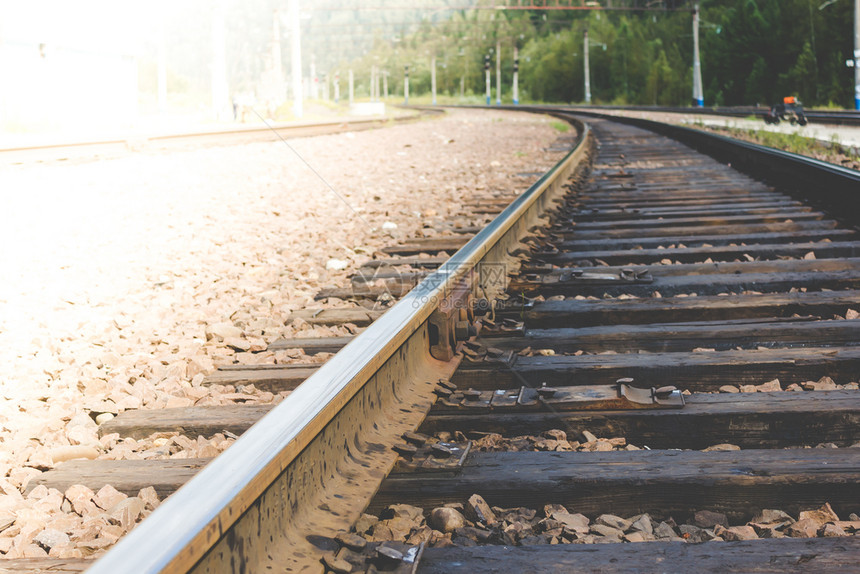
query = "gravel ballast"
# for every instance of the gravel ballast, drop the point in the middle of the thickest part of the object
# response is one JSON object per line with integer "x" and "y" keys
{"x": 127, "y": 281}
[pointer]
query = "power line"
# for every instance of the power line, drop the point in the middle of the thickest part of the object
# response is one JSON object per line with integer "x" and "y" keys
{"x": 503, "y": 8}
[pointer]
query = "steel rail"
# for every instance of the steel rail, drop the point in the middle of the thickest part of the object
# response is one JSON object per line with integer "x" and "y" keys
{"x": 256, "y": 488}
{"x": 291, "y": 129}
{"x": 822, "y": 184}
{"x": 829, "y": 117}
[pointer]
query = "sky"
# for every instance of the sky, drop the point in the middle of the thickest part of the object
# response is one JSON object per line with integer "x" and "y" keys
{"x": 119, "y": 25}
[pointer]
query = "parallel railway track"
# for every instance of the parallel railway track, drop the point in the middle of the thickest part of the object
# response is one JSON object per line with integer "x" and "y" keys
{"x": 828, "y": 117}
{"x": 102, "y": 148}
{"x": 635, "y": 258}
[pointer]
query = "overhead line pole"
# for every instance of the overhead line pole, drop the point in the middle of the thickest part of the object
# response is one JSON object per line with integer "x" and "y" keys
{"x": 516, "y": 87}
{"x": 505, "y": 8}
{"x": 586, "y": 70}
{"x": 498, "y": 73}
{"x": 433, "y": 78}
{"x": 296, "y": 57}
{"x": 698, "y": 95}
{"x": 857, "y": 54}
{"x": 220, "y": 88}
{"x": 487, "y": 75}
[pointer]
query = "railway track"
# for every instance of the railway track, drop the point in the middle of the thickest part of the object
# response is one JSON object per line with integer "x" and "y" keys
{"x": 107, "y": 148}
{"x": 502, "y": 395}
{"x": 828, "y": 117}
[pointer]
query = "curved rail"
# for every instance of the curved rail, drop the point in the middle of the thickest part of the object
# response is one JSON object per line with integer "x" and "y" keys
{"x": 830, "y": 117}
{"x": 260, "y": 502}
{"x": 220, "y": 134}
{"x": 836, "y": 188}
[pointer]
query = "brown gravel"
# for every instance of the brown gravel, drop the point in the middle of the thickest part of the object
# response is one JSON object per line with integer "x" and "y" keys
{"x": 551, "y": 440}
{"x": 473, "y": 522}
{"x": 128, "y": 280}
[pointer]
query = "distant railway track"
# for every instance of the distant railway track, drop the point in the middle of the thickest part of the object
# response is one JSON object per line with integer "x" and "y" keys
{"x": 247, "y": 133}
{"x": 830, "y": 117}
{"x": 547, "y": 323}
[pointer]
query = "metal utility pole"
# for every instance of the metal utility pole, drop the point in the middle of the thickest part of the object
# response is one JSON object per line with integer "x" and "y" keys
{"x": 516, "y": 84}
{"x": 487, "y": 74}
{"x": 698, "y": 95}
{"x": 337, "y": 88}
{"x": 278, "y": 87}
{"x": 162, "y": 68}
{"x": 857, "y": 54}
{"x": 296, "y": 57}
{"x": 314, "y": 93}
{"x": 351, "y": 88}
{"x": 376, "y": 82}
{"x": 385, "y": 83}
{"x": 406, "y": 85}
{"x": 220, "y": 90}
{"x": 498, "y": 73}
{"x": 433, "y": 78}
{"x": 587, "y": 71}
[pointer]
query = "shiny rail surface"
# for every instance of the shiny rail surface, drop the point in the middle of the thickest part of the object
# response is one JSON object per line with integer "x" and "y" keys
{"x": 309, "y": 467}
{"x": 829, "y": 117}
{"x": 248, "y": 133}
{"x": 817, "y": 182}
{"x": 258, "y": 504}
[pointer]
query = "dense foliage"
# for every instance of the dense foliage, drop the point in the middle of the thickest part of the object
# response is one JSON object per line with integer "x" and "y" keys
{"x": 752, "y": 51}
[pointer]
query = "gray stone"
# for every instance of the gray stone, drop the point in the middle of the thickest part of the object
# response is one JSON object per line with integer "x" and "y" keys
{"x": 768, "y": 516}
{"x": 736, "y": 533}
{"x": 643, "y": 524}
{"x": 49, "y": 538}
{"x": 575, "y": 522}
{"x": 404, "y": 511}
{"x": 446, "y": 519}
{"x": 709, "y": 519}
{"x": 478, "y": 510}
{"x": 608, "y": 531}
{"x": 337, "y": 565}
{"x": 365, "y": 522}
{"x": 549, "y": 509}
{"x": 637, "y": 536}
{"x": 588, "y": 436}
{"x": 534, "y": 540}
{"x": 475, "y": 534}
{"x": 695, "y": 534}
{"x": 223, "y": 331}
{"x": 614, "y": 522}
{"x": 832, "y": 530}
{"x": 663, "y": 530}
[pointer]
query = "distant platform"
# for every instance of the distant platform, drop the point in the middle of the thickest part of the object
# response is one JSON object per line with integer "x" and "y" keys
{"x": 367, "y": 109}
